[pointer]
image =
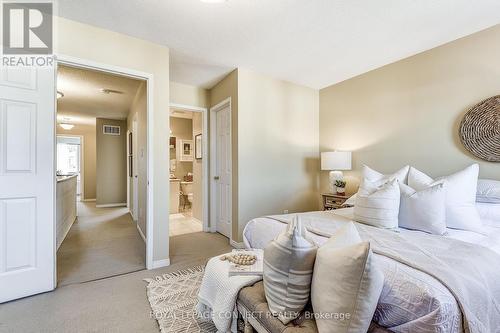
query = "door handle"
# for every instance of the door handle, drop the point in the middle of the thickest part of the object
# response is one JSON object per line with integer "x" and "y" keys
{"x": 216, "y": 178}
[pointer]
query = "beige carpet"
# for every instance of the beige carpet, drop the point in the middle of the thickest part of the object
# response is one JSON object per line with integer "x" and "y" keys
{"x": 103, "y": 242}
{"x": 117, "y": 304}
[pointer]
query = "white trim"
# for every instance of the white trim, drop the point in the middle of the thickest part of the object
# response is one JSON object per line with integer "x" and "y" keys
{"x": 122, "y": 204}
{"x": 89, "y": 200}
{"x": 141, "y": 233}
{"x": 160, "y": 263}
{"x": 128, "y": 173}
{"x": 187, "y": 107}
{"x": 213, "y": 127}
{"x": 236, "y": 245}
{"x": 149, "y": 78}
{"x": 204, "y": 161}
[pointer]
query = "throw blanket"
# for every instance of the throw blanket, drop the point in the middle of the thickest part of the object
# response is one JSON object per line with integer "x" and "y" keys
{"x": 469, "y": 271}
{"x": 218, "y": 294}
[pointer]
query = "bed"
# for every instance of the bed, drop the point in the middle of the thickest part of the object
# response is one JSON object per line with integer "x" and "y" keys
{"x": 411, "y": 300}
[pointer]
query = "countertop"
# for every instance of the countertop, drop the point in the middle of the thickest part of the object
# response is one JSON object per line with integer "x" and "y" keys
{"x": 65, "y": 178}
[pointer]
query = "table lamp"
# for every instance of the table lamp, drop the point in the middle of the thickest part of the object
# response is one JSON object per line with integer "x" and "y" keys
{"x": 335, "y": 162}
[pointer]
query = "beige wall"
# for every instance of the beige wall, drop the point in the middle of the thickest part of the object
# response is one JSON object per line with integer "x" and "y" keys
{"x": 138, "y": 112}
{"x": 197, "y": 171}
{"x": 409, "y": 112}
{"x": 228, "y": 88}
{"x": 189, "y": 95}
{"x": 111, "y": 163}
{"x": 277, "y": 147}
{"x": 182, "y": 129}
{"x": 79, "y": 40}
{"x": 89, "y": 156}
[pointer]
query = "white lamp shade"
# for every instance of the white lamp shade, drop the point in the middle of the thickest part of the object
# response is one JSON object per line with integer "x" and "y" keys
{"x": 336, "y": 160}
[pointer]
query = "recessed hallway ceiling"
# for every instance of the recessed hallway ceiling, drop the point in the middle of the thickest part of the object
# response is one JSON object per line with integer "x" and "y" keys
{"x": 84, "y": 99}
{"x": 311, "y": 42}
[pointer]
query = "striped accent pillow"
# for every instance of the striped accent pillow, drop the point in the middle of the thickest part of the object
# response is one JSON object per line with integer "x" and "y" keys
{"x": 288, "y": 267}
{"x": 378, "y": 205}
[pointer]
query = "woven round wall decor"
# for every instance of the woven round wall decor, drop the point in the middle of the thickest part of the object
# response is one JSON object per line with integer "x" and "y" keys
{"x": 480, "y": 130}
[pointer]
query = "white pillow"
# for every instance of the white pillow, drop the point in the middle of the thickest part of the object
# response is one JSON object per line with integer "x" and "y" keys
{"x": 461, "y": 212}
{"x": 378, "y": 205}
{"x": 489, "y": 211}
{"x": 488, "y": 191}
{"x": 373, "y": 176}
{"x": 288, "y": 267}
{"x": 377, "y": 177}
{"x": 423, "y": 210}
{"x": 351, "y": 201}
{"x": 345, "y": 282}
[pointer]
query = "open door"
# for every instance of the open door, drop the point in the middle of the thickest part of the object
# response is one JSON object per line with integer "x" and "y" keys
{"x": 27, "y": 181}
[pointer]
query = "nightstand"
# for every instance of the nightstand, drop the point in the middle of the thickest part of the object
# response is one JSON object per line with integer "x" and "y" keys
{"x": 334, "y": 201}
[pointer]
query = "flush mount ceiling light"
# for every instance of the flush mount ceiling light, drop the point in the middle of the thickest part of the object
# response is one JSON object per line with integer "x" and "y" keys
{"x": 110, "y": 91}
{"x": 213, "y": 1}
{"x": 59, "y": 94}
{"x": 66, "y": 126}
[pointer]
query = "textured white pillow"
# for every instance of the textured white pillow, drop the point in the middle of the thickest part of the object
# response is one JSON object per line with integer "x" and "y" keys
{"x": 423, "y": 210}
{"x": 461, "y": 212}
{"x": 377, "y": 177}
{"x": 288, "y": 268}
{"x": 378, "y": 205}
{"x": 488, "y": 191}
{"x": 346, "y": 284}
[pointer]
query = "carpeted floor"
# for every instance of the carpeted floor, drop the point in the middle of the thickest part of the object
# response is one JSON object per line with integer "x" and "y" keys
{"x": 117, "y": 304}
{"x": 102, "y": 242}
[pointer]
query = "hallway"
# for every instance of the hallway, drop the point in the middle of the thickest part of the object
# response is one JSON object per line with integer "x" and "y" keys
{"x": 103, "y": 242}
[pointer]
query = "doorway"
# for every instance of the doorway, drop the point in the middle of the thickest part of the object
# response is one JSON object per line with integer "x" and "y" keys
{"x": 69, "y": 152}
{"x": 102, "y": 237}
{"x": 188, "y": 170}
{"x": 221, "y": 168}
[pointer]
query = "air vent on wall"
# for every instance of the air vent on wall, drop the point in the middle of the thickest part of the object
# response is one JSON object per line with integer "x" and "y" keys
{"x": 111, "y": 130}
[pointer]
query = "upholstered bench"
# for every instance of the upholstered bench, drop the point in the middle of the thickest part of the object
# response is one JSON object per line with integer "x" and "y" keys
{"x": 252, "y": 306}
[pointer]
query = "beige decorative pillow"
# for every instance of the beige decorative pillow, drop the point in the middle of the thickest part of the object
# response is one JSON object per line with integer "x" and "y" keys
{"x": 288, "y": 267}
{"x": 346, "y": 284}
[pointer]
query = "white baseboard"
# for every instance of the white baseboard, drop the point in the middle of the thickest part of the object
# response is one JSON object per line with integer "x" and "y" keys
{"x": 132, "y": 216}
{"x": 160, "y": 263}
{"x": 88, "y": 200}
{"x": 123, "y": 204}
{"x": 141, "y": 233}
{"x": 237, "y": 245}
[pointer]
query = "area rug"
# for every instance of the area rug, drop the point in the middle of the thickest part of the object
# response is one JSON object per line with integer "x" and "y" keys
{"x": 173, "y": 298}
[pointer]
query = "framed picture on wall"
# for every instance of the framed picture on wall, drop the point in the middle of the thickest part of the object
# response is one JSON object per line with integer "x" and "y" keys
{"x": 197, "y": 147}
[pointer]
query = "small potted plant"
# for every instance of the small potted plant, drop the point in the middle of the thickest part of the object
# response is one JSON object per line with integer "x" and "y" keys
{"x": 340, "y": 184}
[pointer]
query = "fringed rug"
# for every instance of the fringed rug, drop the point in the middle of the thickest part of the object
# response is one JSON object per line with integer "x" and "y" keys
{"x": 173, "y": 298}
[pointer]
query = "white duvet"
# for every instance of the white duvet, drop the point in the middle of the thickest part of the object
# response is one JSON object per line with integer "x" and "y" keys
{"x": 411, "y": 300}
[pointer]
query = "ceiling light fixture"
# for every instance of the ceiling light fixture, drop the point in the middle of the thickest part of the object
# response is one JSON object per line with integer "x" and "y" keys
{"x": 66, "y": 126}
{"x": 110, "y": 91}
{"x": 59, "y": 94}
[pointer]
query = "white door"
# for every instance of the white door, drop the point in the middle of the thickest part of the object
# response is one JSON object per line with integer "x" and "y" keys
{"x": 27, "y": 181}
{"x": 222, "y": 175}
